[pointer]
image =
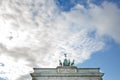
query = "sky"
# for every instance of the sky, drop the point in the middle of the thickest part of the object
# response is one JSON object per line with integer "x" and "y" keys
{"x": 37, "y": 33}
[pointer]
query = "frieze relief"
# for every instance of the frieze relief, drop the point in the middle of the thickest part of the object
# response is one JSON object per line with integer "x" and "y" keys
{"x": 66, "y": 70}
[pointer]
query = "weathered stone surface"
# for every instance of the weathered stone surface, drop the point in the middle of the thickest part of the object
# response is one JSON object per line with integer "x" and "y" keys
{"x": 66, "y": 73}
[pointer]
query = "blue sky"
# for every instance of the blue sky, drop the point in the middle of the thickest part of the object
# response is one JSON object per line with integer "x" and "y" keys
{"x": 66, "y": 5}
{"x": 107, "y": 60}
{"x": 88, "y": 31}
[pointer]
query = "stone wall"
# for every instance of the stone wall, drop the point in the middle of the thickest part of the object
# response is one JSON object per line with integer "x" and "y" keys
{"x": 66, "y": 73}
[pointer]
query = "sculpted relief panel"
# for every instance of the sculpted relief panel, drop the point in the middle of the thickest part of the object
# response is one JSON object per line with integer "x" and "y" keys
{"x": 66, "y": 70}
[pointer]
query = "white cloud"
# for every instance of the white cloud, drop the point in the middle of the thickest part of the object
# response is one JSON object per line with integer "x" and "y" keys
{"x": 32, "y": 32}
{"x": 11, "y": 69}
{"x": 106, "y": 19}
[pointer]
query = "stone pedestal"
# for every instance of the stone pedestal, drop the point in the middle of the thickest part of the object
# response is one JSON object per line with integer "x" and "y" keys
{"x": 66, "y": 73}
